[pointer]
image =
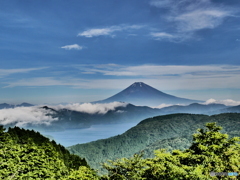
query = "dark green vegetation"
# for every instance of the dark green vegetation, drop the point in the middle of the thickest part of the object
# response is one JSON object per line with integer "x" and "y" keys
{"x": 28, "y": 155}
{"x": 168, "y": 132}
{"x": 211, "y": 151}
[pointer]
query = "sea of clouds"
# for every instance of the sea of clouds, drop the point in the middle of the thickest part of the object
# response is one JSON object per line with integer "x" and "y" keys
{"x": 35, "y": 115}
{"x": 21, "y": 116}
{"x": 91, "y": 108}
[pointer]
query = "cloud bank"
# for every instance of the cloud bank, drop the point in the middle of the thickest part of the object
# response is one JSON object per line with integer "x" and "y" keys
{"x": 21, "y": 116}
{"x": 227, "y": 102}
{"x": 92, "y": 108}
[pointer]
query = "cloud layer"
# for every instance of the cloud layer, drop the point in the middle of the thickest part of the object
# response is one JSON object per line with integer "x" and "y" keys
{"x": 227, "y": 102}
{"x": 92, "y": 108}
{"x": 22, "y": 116}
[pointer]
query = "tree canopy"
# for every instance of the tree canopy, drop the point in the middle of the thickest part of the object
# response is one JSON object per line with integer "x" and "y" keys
{"x": 25, "y": 157}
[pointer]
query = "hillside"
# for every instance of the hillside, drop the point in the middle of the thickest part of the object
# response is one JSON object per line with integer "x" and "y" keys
{"x": 154, "y": 133}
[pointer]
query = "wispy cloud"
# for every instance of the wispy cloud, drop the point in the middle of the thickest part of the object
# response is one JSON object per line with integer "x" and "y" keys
{"x": 162, "y": 35}
{"x": 73, "y": 46}
{"x": 190, "y": 16}
{"x": 107, "y": 31}
{"x": 6, "y": 72}
{"x": 159, "y": 70}
{"x": 167, "y": 36}
{"x": 38, "y": 82}
{"x": 113, "y": 76}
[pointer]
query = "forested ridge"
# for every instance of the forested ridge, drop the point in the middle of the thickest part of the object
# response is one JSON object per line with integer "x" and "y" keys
{"x": 169, "y": 132}
{"x": 28, "y": 155}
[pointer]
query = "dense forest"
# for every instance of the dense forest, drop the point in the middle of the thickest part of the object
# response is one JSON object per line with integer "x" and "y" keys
{"x": 169, "y": 132}
{"x": 27, "y": 155}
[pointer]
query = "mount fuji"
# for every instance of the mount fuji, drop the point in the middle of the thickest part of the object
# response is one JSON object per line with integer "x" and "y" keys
{"x": 142, "y": 94}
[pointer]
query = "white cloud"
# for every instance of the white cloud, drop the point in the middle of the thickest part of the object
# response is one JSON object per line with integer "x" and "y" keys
{"x": 6, "y": 72}
{"x": 162, "y": 77}
{"x": 160, "y": 70}
{"x": 200, "y": 19}
{"x": 163, "y": 106}
{"x": 26, "y": 115}
{"x": 108, "y": 31}
{"x": 97, "y": 32}
{"x": 162, "y": 35}
{"x": 188, "y": 16}
{"x": 92, "y": 108}
{"x": 73, "y": 46}
{"x": 227, "y": 102}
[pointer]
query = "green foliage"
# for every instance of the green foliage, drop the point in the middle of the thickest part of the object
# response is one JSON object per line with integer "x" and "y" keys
{"x": 26, "y": 154}
{"x": 162, "y": 132}
{"x": 22, "y": 136}
{"x": 210, "y": 151}
{"x": 83, "y": 173}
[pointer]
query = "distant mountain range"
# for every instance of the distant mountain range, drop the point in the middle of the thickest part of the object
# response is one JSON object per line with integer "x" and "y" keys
{"x": 142, "y": 94}
{"x": 69, "y": 119}
{"x": 6, "y": 106}
{"x": 170, "y": 132}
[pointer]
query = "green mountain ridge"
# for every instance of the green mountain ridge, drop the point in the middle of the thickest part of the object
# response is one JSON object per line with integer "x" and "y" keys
{"x": 169, "y": 131}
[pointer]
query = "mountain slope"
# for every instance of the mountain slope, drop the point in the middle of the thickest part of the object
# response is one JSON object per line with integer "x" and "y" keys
{"x": 157, "y": 132}
{"x": 140, "y": 93}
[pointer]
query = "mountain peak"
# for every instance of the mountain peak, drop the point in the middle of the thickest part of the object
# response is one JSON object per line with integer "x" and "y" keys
{"x": 140, "y": 93}
{"x": 138, "y": 84}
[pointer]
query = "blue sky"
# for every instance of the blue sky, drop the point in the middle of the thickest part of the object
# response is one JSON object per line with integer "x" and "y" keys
{"x": 80, "y": 51}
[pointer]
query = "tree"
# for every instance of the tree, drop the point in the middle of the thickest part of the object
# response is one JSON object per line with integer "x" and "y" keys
{"x": 210, "y": 151}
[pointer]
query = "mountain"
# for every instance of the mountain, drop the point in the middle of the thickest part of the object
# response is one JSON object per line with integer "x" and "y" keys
{"x": 7, "y": 106}
{"x": 24, "y": 105}
{"x": 172, "y": 131}
{"x": 70, "y": 119}
{"x": 195, "y": 108}
{"x": 142, "y": 94}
